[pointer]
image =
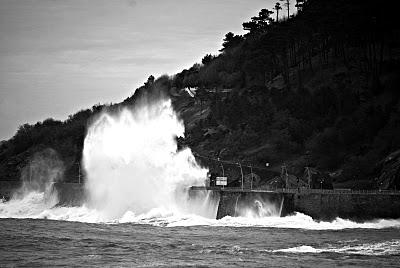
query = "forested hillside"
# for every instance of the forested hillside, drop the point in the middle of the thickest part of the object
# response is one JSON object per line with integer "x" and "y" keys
{"x": 318, "y": 89}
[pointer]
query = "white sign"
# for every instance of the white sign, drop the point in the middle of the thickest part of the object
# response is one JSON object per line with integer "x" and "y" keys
{"x": 221, "y": 181}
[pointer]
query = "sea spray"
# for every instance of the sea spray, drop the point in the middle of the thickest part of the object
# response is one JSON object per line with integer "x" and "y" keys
{"x": 36, "y": 192}
{"x": 133, "y": 165}
{"x": 258, "y": 206}
{"x": 42, "y": 170}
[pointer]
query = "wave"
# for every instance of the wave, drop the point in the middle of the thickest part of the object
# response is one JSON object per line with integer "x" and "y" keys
{"x": 36, "y": 205}
{"x": 391, "y": 247}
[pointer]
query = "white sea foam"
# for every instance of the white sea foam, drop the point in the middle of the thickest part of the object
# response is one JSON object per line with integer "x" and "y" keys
{"x": 34, "y": 205}
{"x": 29, "y": 205}
{"x": 37, "y": 205}
{"x": 391, "y": 247}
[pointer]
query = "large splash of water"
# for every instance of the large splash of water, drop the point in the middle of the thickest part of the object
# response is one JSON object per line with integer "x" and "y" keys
{"x": 133, "y": 165}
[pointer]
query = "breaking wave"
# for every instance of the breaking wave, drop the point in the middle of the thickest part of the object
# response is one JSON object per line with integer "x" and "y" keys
{"x": 34, "y": 206}
{"x": 385, "y": 248}
{"x": 133, "y": 166}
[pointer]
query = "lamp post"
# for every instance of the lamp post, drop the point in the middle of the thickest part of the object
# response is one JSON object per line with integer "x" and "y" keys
{"x": 79, "y": 172}
{"x": 31, "y": 165}
{"x": 285, "y": 174}
{"x": 30, "y": 173}
{"x": 241, "y": 171}
{"x": 251, "y": 170}
{"x": 308, "y": 177}
{"x": 222, "y": 167}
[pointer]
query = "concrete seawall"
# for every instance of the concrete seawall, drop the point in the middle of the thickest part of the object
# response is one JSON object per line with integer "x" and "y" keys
{"x": 70, "y": 194}
{"x": 320, "y": 205}
{"x": 355, "y": 206}
{"x": 235, "y": 203}
{"x": 7, "y": 188}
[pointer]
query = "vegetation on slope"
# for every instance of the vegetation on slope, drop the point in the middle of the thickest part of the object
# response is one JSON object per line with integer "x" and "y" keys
{"x": 318, "y": 89}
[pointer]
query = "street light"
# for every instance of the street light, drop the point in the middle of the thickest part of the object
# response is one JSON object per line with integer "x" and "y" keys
{"x": 241, "y": 171}
{"x": 31, "y": 164}
{"x": 251, "y": 170}
{"x": 79, "y": 172}
{"x": 222, "y": 167}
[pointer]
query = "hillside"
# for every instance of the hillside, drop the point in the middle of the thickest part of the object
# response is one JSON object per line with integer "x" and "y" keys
{"x": 320, "y": 89}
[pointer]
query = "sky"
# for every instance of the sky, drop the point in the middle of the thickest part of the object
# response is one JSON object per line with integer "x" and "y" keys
{"x": 60, "y": 56}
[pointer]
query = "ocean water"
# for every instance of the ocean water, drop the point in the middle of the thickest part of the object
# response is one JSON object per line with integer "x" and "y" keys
{"x": 227, "y": 243}
{"x": 35, "y": 233}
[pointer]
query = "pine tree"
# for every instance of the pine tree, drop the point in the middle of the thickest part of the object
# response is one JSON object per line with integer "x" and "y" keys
{"x": 277, "y": 8}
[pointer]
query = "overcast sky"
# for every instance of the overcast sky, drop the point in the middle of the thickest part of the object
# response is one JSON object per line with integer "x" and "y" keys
{"x": 59, "y": 56}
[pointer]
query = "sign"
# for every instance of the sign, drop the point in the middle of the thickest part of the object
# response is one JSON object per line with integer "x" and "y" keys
{"x": 221, "y": 181}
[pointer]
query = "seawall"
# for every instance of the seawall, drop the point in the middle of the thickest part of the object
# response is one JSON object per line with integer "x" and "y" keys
{"x": 7, "y": 188}
{"x": 70, "y": 194}
{"x": 355, "y": 206}
{"x": 234, "y": 204}
{"x": 319, "y": 204}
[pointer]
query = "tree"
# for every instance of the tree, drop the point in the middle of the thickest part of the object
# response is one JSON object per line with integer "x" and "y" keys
{"x": 207, "y": 59}
{"x": 287, "y": 5}
{"x": 260, "y": 22}
{"x": 150, "y": 81}
{"x": 264, "y": 17}
{"x": 277, "y": 8}
{"x": 230, "y": 40}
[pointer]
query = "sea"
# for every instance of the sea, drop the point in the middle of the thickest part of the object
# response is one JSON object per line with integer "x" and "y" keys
{"x": 77, "y": 237}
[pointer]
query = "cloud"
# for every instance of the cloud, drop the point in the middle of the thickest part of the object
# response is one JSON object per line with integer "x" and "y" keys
{"x": 131, "y": 3}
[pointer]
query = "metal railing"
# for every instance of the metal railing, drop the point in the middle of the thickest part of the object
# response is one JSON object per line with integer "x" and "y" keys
{"x": 298, "y": 190}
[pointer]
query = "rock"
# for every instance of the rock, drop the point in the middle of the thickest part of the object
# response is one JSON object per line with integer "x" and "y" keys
{"x": 388, "y": 171}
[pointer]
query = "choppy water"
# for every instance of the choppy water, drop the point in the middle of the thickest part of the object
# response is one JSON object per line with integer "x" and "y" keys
{"x": 35, "y": 233}
{"x": 38, "y": 242}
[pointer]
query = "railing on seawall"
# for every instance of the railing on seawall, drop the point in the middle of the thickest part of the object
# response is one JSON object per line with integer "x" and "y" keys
{"x": 344, "y": 191}
{"x": 296, "y": 190}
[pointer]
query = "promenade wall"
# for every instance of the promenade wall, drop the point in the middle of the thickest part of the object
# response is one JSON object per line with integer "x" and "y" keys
{"x": 70, "y": 194}
{"x": 319, "y": 204}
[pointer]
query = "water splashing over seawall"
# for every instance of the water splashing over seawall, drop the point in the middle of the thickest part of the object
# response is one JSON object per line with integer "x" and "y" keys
{"x": 132, "y": 163}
